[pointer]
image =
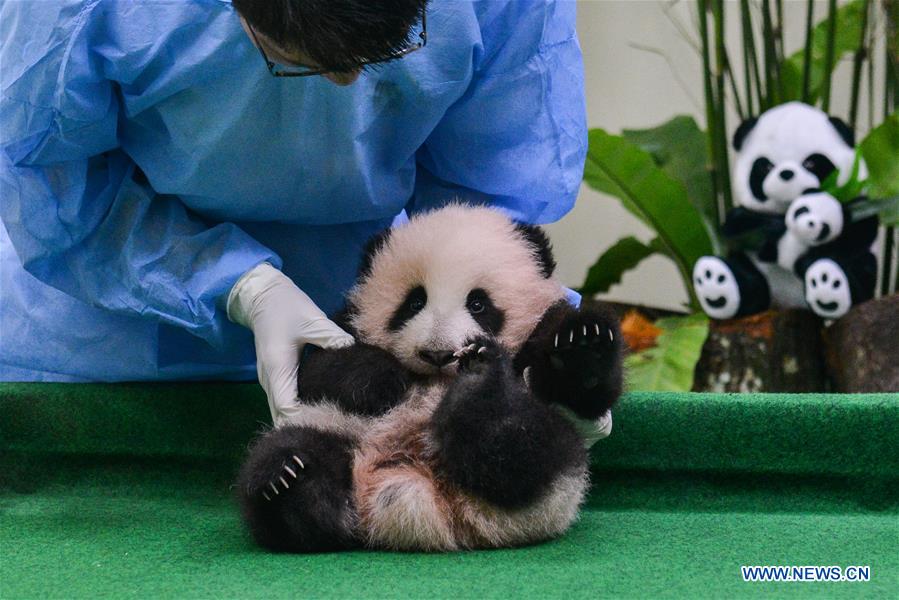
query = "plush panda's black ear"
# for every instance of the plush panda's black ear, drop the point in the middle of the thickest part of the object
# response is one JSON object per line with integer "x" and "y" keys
{"x": 534, "y": 236}
{"x": 742, "y": 131}
{"x": 844, "y": 130}
{"x": 371, "y": 248}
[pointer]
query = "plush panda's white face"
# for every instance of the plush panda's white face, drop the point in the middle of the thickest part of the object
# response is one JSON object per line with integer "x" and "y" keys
{"x": 446, "y": 277}
{"x": 792, "y": 148}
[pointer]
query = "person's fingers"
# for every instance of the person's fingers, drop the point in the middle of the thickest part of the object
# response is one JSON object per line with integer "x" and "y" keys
{"x": 325, "y": 333}
{"x": 277, "y": 370}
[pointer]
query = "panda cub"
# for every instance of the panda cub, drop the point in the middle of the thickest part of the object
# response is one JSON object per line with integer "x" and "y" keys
{"x": 812, "y": 255}
{"x": 453, "y": 422}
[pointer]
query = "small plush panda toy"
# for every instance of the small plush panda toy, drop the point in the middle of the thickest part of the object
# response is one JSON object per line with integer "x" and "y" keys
{"x": 811, "y": 253}
{"x": 461, "y": 416}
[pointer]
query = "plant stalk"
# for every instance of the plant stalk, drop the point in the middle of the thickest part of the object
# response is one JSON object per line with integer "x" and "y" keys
{"x": 711, "y": 122}
{"x": 749, "y": 56}
{"x": 772, "y": 85}
{"x": 861, "y": 54}
{"x": 721, "y": 160}
{"x": 829, "y": 55}
{"x": 807, "y": 54}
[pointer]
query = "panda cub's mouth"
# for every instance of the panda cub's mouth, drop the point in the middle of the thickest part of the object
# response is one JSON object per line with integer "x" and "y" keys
{"x": 717, "y": 302}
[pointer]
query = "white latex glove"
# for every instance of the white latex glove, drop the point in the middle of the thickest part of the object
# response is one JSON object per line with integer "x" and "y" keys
{"x": 283, "y": 320}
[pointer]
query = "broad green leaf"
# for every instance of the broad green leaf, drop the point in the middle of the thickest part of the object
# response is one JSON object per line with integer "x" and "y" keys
{"x": 623, "y": 256}
{"x": 848, "y": 33}
{"x": 679, "y": 148}
{"x": 669, "y": 365}
{"x": 880, "y": 149}
{"x": 618, "y": 167}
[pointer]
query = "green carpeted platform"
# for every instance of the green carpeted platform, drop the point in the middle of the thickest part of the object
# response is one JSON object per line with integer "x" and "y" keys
{"x": 124, "y": 491}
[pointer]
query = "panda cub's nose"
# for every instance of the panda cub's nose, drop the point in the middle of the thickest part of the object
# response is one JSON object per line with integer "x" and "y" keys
{"x": 438, "y": 358}
{"x": 787, "y": 174}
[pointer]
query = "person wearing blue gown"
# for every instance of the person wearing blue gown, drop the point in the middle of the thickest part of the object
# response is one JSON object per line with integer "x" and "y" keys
{"x": 158, "y": 173}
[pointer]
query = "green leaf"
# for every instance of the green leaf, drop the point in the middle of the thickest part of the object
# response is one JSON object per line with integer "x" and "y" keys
{"x": 880, "y": 149}
{"x": 669, "y": 365}
{"x": 852, "y": 189}
{"x": 623, "y": 256}
{"x": 618, "y": 167}
{"x": 848, "y": 33}
{"x": 679, "y": 148}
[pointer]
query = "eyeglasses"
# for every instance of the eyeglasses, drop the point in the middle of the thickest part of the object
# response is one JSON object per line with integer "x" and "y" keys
{"x": 278, "y": 70}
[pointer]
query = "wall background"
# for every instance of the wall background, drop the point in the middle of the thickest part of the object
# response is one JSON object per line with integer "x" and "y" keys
{"x": 630, "y": 88}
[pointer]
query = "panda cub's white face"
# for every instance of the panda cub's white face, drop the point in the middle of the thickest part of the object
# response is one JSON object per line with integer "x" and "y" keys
{"x": 437, "y": 319}
{"x": 446, "y": 277}
{"x": 791, "y": 149}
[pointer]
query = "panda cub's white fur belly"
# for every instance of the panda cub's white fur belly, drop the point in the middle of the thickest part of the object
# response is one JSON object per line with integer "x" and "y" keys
{"x": 400, "y": 501}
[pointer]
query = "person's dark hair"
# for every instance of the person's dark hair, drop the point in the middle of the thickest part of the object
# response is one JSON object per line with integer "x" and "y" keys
{"x": 339, "y": 35}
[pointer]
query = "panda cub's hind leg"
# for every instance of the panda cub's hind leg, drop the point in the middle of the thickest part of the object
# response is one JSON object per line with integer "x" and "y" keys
{"x": 295, "y": 490}
{"x": 496, "y": 441}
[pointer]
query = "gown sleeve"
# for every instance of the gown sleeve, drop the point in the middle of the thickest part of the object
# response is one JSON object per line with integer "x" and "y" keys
{"x": 80, "y": 214}
{"x": 517, "y": 138}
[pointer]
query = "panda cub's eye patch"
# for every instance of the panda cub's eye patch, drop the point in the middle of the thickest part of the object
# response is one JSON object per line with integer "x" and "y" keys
{"x": 819, "y": 165}
{"x": 411, "y": 305}
{"x": 484, "y": 312}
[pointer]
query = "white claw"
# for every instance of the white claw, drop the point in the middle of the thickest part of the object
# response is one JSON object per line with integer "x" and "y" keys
{"x": 272, "y": 485}
{"x": 266, "y": 496}
{"x": 284, "y": 483}
{"x": 291, "y": 471}
{"x": 571, "y": 336}
{"x": 585, "y": 331}
{"x": 596, "y": 325}
{"x": 298, "y": 461}
{"x": 482, "y": 350}
{"x": 556, "y": 343}
{"x": 611, "y": 336}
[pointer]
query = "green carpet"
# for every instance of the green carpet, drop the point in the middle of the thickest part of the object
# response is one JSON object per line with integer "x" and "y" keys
{"x": 124, "y": 491}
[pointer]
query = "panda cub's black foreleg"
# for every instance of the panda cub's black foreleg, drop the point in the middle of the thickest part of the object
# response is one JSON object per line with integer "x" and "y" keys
{"x": 574, "y": 359}
{"x": 493, "y": 438}
{"x": 295, "y": 490}
{"x": 361, "y": 379}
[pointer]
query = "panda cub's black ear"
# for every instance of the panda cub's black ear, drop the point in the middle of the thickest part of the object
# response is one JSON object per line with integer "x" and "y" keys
{"x": 844, "y": 130}
{"x": 371, "y": 248}
{"x": 742, "y": 131}
{"x": 534, "y": 236}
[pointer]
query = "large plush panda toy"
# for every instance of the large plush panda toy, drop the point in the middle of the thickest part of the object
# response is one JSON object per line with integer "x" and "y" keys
{"x": 461, "y": 416}
{"x": 811, "y": 253}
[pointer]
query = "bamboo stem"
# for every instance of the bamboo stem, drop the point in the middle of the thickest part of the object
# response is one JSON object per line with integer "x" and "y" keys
{"x": 829, "y": 55}
{"x": 807, "y": 54}
{"x": 891, "y": 91}
{"x": 722, "y": 162}
{"x": 861, "y": 54}
{"x": 772, "y": 87}
{"x": 779, "y": 48}
{"x": 711, "y": 133}
{"x": 746, "y": 27}
{"x": 733, "y": 88}
{"x": 749, "y": 42}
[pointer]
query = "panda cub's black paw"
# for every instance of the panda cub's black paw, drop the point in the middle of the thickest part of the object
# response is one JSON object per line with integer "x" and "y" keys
{"x": 584, "y": 344}
{"x": 477, "y": 354}
{"x": 295, "y": 490}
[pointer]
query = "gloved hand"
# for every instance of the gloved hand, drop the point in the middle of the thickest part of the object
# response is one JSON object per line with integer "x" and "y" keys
{"x": 283, "y": 320}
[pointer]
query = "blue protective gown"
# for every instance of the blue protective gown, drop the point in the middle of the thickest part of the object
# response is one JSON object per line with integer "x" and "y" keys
{"x": 149, "y": 159}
